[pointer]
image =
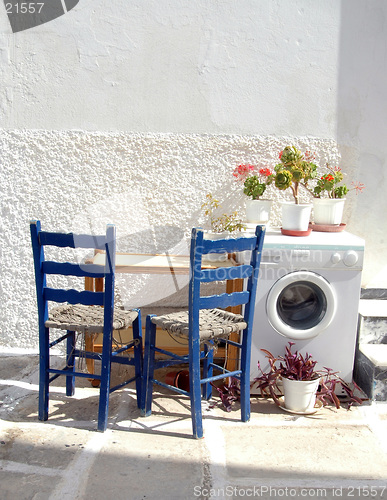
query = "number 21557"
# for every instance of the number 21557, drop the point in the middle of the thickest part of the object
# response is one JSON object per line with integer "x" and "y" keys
{"x": 24, "y": 8}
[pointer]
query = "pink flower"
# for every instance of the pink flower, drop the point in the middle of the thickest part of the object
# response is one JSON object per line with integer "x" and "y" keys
{"x": 241, "y": 172}
{"x": 358, "y": 186}
{"x": 309, "y": 156}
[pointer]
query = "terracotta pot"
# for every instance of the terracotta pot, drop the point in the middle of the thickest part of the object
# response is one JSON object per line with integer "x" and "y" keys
{"x": 178, "y": 379}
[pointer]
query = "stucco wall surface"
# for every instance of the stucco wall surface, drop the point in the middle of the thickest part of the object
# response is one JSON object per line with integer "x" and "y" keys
{"x": 151, "y": 186}
{"x": 252, "y": 66}
{"x": 130, "y": 112}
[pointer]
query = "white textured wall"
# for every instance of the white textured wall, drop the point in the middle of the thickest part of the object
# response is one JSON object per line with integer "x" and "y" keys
{"x": 132, "y": 111}
{"x": 79, "y": 182}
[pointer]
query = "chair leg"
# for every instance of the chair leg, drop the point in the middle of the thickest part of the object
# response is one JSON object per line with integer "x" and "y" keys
{"x": 138, "y": 358}
{"x": 148, "y": 371}
{"x": 207, "y": 371}
{"x": 70, "y": 363}
{"x": 104, "y": 390}
{"x": 245, "y": 383}
{"x": 44, "y": 364}
{"x": 195, "y": 389}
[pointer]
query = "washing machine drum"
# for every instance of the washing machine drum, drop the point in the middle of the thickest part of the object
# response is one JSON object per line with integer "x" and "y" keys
{"x": 301, "y": 305}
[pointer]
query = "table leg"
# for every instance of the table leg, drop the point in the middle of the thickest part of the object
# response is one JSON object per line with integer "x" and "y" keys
{"x": 233, "y": 352}
{"x": 92, "y": 285}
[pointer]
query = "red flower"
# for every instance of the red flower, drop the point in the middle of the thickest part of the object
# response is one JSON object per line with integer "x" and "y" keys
{"x": 280, "y": 155}
{"x": 266, "y": 172}
{"x": 241, "y": 172}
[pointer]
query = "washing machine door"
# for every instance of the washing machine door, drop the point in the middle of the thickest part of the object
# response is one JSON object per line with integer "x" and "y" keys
{"x": 300, "y": 305}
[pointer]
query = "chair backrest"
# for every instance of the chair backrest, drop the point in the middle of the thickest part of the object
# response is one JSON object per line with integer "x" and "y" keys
{"x": 199, "y": 248}
{"x": 44, "y": 267}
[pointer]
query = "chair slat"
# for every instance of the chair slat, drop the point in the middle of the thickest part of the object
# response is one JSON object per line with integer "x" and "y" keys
{"x": 226, "y": 273}
{"x": 228, "y": 245}
{"x": 70, "y": 269}
{"x": 224, "y": 300}
{"x": 74, "y": 296}
{"x": 72, "y": 240}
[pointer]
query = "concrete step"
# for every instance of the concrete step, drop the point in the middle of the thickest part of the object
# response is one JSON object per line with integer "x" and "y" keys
{"x": 370, "y": 371}
{"x": 372, "y": 327}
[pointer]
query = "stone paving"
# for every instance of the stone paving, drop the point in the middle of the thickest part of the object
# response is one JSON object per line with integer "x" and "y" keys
{"x": 331, "y": 454}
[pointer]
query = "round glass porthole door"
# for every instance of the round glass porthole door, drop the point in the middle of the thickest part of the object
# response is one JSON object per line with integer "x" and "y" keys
{"x": 301, "y": 305}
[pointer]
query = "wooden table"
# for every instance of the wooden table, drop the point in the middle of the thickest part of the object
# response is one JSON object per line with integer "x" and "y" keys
{"x": 133, "y": 263}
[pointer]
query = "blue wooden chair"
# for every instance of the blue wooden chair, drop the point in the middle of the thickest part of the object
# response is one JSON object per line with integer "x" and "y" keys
{"x": 205, "y": 321}
{"x": 81, "y": 312}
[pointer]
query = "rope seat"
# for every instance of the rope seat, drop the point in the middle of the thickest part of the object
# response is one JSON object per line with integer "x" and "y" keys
{"x": 213, "y": 323}
{"x": 87, "y": 319}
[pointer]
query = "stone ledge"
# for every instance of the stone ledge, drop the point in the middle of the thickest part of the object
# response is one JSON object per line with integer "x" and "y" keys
{"x": 373, "y": 308}
{"x": 376, "y": 353}
{"x": 370, "y": 370}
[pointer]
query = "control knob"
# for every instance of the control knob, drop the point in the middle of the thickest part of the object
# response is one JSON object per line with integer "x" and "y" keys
{"x": 350, "y": 258}
{"x": 336, "y": 258}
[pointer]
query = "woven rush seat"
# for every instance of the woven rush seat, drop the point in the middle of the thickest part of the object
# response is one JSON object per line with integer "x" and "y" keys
{"x": 81, "y": 318}
{"x": 213, "y": 323}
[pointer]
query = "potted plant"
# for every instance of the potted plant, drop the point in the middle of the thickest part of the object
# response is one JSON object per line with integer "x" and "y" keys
{"x": 255, "y": 181}
{"x": 295, "y": 170}
{"x": 328, "y": 209}
{"x": 302, "y": 384}
{"x": 222, "y": 224}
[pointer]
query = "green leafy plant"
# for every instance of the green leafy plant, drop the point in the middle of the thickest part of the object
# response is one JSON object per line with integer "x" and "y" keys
{"x": 294, "y": 170}
{"x": 255, "y": 180}
{"x": 295, "y": 366}
{"x": 223, "y": 222}
{"x": 329, "y": 183}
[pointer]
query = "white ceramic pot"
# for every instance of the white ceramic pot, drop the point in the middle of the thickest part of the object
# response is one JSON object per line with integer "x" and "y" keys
{"x": 258, "y": 211}
{"x": 296, "y": 217}
{"x": 328, "y": 210}
{"x": 300, "y": 395}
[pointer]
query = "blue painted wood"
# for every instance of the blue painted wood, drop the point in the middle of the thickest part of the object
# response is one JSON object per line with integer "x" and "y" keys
{"x": 107, "y": 329}
{"x": 250, "y": 273}
{"x": 224, "y": 300}
{"x": 235, "y": 373}
{"x": 208, "y": 371}
{"x": 72, "y": 240}
{"x": 249, "y": 318}
{"x": 70, "y": 363}
{"x": 74, "y": 296}
{"x": 40, "y": 281}
{"x": 229, "y": 245}
{"x": 148, "y": 369}
{"x": 70, "y": 269}
{"x": 45, "y": 294}
{"x": 225, "y": 273}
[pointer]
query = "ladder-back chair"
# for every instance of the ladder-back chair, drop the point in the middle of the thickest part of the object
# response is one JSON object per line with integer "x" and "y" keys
{"x": 85, "y": 312}
{"x": 205, "y": 321}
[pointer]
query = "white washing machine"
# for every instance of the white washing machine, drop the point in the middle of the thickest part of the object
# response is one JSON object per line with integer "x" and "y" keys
{"x": 308, "y": 293}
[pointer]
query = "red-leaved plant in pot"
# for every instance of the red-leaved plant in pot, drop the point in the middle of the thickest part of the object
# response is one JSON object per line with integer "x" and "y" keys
{"x": 294, "y": 366}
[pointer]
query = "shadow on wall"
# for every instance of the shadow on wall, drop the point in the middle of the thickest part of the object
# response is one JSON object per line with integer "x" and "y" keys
{"x": 25, "y": 15}
{"x": 361, "y": 124}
